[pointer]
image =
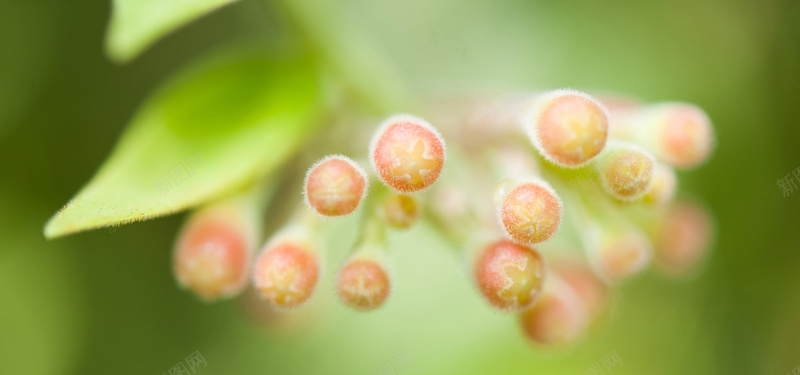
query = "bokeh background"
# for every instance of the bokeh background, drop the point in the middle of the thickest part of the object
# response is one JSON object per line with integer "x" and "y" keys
{"x": 105, "y": 301}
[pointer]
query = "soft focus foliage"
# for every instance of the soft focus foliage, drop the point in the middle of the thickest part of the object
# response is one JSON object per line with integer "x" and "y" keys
{"x": 213, "y": 128}
{"x": 135, "y": 24}
{"x": 106, "y": 301}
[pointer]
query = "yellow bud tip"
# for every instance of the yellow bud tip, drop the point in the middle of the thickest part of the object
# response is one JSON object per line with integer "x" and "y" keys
{"x": 568, "y": 128}
{"x": 509, "y": 276}
{"x": 530, "y": 212}
{"x": 335, "y": 186}
{"x": 363, "y": 284}
{"x": 286, "y": 273}
{"x": 407, "y": 153}
{"x": 211, "y": 255}
{"x": 628, "y": 173}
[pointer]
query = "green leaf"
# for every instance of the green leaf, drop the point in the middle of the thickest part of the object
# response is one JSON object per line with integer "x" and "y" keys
{"x": 214, "y": 128}
{"x": 135, "y": 24}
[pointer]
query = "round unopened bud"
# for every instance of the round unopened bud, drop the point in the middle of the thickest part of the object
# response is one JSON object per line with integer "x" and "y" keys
{"x": 286, "y": 273}
{"x": 623, "y": 257}
{"x": 363, "y": 283}
{"x": 530, "y": 211}
{"x": 509, "y": 276}
{"x": 212, "y": 253}
{"x": 559, "y": 318}
{"x": 679, "y": 134}
{"x": 407, "y": 153}
{"x": 335, "y": 186}
{"x": 590, "y": 289}
{"x": 627, "y": 171}
{"x": 401, "y": 211}
{"x": 568, "y": 127}
{"x": 683, "y": 237}
{"x": 663, "y": 187}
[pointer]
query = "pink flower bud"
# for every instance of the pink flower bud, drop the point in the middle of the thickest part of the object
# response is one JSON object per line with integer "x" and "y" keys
{"x": 626, "y": 170}
{"x": 213, "y": 252}
{"x": 335, "y": 186}
{"x": 683, "y": 238}
{"x": 363, "y": 283}
{"x": 407, "y": 153}
{"x": 559, "y": 318}
{"x": 530, "y": 212}
{"x": 568, "y": 128}
{"x": 581, "y": 278}
{"x": 509, "y": 275}
{"x": 286, "y": 272}
{"x": 663, "y": 187}
{"x": 623, "y": 257}
{"x": 679, "y": 134}
{"x": 401, "y": 211}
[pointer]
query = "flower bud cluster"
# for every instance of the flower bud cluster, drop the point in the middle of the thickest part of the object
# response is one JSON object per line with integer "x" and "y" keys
{"x": 622, "y": 221}
{"x": 407, "y": 155}
{"x": 551, "y": 251}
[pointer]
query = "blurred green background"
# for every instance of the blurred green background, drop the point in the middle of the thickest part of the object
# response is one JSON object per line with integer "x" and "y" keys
{"x": 105, "y": 302}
